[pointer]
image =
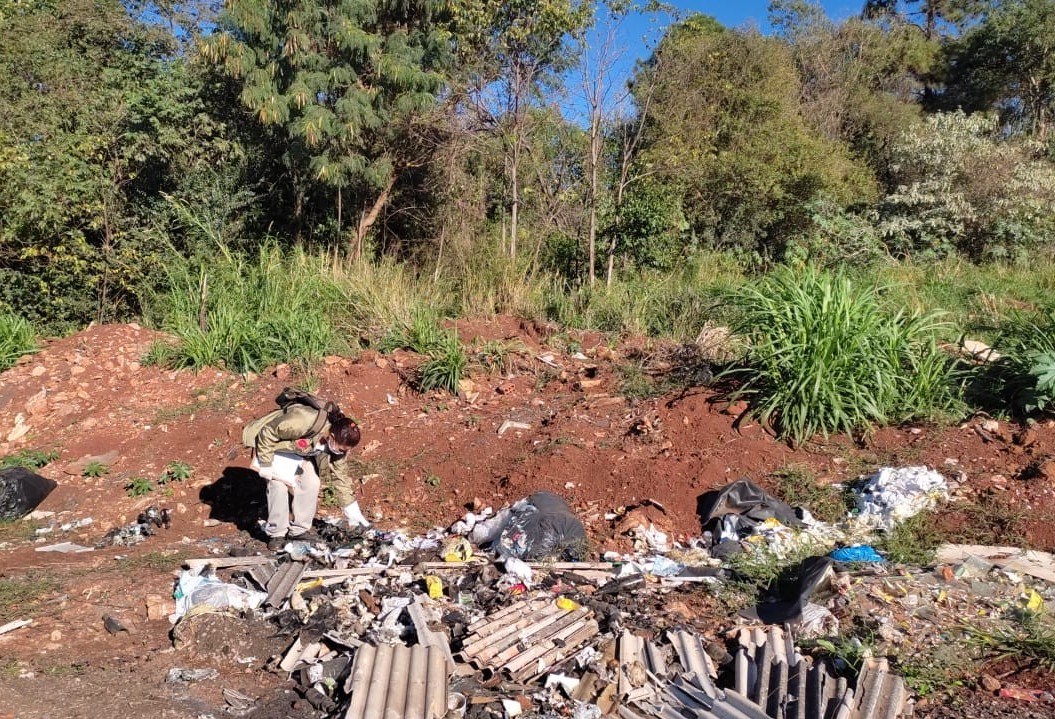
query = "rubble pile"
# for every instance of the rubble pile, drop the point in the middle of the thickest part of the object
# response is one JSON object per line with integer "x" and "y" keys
{"x": 458, "y": 623}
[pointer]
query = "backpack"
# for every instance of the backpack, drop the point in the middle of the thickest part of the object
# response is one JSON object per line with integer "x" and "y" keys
{"x": 288, "y": 397}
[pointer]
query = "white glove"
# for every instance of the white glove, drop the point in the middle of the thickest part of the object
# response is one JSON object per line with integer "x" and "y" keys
{"x": 354, "y": 515}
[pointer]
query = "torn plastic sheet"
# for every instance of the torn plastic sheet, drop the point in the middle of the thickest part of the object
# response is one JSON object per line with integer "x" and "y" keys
{"x": 892, "y": 495}
{"x": 194, "y": 590}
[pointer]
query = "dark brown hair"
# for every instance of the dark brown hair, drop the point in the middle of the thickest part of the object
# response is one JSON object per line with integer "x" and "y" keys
{"x": 343, "y": 429}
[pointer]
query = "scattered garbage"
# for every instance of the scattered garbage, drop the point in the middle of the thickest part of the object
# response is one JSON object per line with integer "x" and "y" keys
{"x": 177, "y": 675}
{"x": 146, "y": 525}
{"x": 21, "y": 491}
{"x": 537, "y": 527}
{"x": 195, "y": 590}
{"x": 501, "y": 616}
{"x": 892, "y": 495}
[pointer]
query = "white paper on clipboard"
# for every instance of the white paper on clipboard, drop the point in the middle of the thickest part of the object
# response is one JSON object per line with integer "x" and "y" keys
{"x": 284, "y": 466}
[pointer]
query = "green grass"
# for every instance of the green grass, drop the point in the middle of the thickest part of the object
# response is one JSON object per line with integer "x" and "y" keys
{"x": 16, "y": 530}
{"x": 1030, "y": 639}
{"x": 21, "y": 596}
{"x": 827, "y": 354}
{"x": 912, "y": 541}
{"x": 799, "y": 487}
{"x": 29, "y": 458}
{"x": 247, "y": 314}
{"x": 447, "y": 359}
{"x": 155, "y": 561}
{"x": 17, "y": 338}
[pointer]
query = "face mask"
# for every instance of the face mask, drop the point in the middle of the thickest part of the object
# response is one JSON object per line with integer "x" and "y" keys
{"x": 334, "y": 450}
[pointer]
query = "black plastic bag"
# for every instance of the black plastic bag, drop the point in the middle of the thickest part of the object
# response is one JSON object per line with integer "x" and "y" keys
{"x": 747, "y": 500}
{"x": 541, "y": 527}
{"x": 21, "y": 491}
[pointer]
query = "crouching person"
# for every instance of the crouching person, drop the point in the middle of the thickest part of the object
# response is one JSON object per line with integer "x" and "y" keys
{"x": 296, "y": 449}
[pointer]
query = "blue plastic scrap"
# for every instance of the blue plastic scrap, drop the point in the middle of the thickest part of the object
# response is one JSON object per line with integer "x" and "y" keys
{"x": 858, "y": 553}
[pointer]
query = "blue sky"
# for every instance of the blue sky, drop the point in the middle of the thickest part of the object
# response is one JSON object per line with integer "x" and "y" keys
{"x": 734, "y": 13}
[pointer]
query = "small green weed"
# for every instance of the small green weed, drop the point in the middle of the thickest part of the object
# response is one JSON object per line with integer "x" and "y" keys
{"x": 433, "y": 480}
{"x": 446, "y": 364}
{"x": 160, "y": 354}
{"x": 934, "y": 672}
{"x": 16, "y": 530}
{"x": 10, "y": 668}
{"x": 175, "y": 472}
{"x": 989, "y": 519}
{"x": 21, "y": 596}
{"x": 635, "y": 384}
{"x": 29, "y": 458}
{"x": 496, "y": 356}
{"x": 61, "y": 669}
{"x": 95, "y": 469}
{"x": 139, "y": 487}
{"x": 799, "y": 487}
{"x": 1031, "y": 638}
{"x": 912, "y": 541}
{"x": 759, "y": 569}
{"x": 848, "y": 652}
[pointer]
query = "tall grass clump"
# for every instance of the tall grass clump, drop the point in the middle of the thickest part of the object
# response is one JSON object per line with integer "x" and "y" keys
{"x": 1024, "y": 375}
{"x": 245, "y": 314}
{"x": 17, "y": 338}
{"x": 825, "y": 354}
{"x": 447, "y": 360}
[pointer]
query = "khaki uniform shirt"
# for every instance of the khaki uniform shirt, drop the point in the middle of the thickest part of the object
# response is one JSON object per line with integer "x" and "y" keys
{"x": 286, "y": 433}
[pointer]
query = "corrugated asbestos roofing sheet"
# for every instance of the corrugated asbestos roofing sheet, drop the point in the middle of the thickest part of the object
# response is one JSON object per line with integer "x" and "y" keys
{"x": 524, "y": 640}
{"x": 771, "y": 680}
{"x": 398, "y": 682}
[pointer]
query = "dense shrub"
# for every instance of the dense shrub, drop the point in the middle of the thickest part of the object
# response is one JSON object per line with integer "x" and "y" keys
{"x": 827, "y": 355}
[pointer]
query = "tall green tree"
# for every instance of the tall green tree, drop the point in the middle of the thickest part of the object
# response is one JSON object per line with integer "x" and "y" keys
{"x": 340, "y": 82}
{"x": 1008, "y": 63}
{"x": 726, "y": 131}
{"x": 933, "y": 17}
{"x": 97, "y": 114}
{"x": 512, "y": 52}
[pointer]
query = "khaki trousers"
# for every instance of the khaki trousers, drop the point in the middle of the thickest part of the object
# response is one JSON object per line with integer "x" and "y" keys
{"x": 304, "y": 501}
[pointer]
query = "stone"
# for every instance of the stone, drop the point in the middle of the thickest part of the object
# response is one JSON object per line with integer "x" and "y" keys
{"x": 989, "y": 683}
{"x": 38, "y": 370}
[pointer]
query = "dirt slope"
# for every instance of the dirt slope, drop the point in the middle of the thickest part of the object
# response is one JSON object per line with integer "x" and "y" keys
{"x": 428, "y": 456}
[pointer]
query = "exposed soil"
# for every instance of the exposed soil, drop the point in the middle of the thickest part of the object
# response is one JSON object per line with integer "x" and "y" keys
{"x": 428, "y": 457}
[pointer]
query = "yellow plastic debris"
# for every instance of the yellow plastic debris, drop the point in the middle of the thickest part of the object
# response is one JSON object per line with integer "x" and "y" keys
{"x": 310, "y": 584}
{"x": 1035, "y": 603}
{"x": 457, "y": 550}
{"x": 435, "y": 586}
{"x": 567, "y": 604}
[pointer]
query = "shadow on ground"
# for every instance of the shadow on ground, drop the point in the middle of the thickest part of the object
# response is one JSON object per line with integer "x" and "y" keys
{"x": 239, "y": 496}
